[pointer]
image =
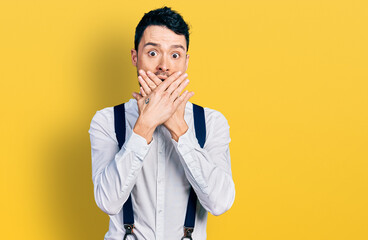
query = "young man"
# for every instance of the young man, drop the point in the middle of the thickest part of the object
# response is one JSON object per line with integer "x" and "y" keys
{"x": 161, "y": 159}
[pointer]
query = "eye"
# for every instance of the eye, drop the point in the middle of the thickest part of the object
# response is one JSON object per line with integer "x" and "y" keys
{"x": 176, "y": 55}
{"x": 152, "y": 53}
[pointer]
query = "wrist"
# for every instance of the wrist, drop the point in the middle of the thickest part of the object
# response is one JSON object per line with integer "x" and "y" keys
{"x": 178, "y": 130}
{"x": 144, "y": 128}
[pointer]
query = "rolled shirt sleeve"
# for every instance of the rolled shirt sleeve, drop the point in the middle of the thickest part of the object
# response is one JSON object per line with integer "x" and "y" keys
{"x": 114, "y": 171}
{"x": 208, "y": 169}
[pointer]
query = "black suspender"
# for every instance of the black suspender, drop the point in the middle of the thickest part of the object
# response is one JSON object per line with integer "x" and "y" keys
{"x": 128, "y": 214}
{"x": 199, "y": 124}
{"x": 119, "y": 121}
{"x": 200, "y": 130}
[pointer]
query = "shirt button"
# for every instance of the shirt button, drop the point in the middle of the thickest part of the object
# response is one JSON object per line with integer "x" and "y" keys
{"x": 159, "y": 211}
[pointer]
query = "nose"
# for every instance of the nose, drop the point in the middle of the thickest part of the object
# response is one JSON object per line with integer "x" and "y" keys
{"x": 163, "y": 64}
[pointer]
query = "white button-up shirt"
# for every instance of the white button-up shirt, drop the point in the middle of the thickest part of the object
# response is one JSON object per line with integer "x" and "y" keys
{"x": 159, "y": 175}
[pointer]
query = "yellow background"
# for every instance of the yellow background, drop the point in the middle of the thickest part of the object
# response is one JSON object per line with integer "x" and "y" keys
{"x": 290, "y": 77}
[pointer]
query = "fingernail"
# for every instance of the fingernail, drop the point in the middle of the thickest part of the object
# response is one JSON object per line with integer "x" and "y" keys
{"x": 186, "y": 74}
{"x": 179, "y": 72}
{"x": 133, "y": 94}
{"x": 148, "y": 72}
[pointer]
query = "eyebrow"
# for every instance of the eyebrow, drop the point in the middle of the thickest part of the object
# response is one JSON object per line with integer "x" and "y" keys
{"x": 158, "y": 45}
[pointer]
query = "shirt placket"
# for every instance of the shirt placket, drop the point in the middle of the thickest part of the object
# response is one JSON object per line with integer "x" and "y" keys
{"x": 160, "y": 213}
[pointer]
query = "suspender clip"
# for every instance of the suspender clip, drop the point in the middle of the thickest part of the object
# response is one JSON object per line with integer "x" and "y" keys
{"x": 129, "y": 231}
{"x": 187, "y": 233}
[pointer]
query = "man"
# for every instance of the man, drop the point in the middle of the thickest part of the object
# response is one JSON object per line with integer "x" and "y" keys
{"x": 160, "y": 159}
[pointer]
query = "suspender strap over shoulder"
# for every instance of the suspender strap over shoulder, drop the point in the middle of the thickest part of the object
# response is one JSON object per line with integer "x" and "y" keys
{"x": 200, "y": 130}
{"x": 128, "y": 214}
{"x": 119, "y": 121}
{"x": 120, "y": 129}
{"x": 199, "y": 124}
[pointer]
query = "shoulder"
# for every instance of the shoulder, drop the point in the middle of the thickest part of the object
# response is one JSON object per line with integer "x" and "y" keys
{"x": 103, "y": 122}
{"x": 103, "y": 115}
{"x": 217, "y": 126}
{"x": 106, "y": 115}
{"x": 213, "y": 117}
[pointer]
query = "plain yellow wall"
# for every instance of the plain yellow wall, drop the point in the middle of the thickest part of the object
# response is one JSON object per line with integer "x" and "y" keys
{"x": 290, "y": 76}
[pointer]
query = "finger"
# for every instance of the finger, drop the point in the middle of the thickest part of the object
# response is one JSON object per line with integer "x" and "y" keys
{"x": 176, "y": 83}
{"x": 144, "y": 85}
{"x": 143, "y": 93}
{"x": 166, "y": 83}
{"x": 154, "y": 78}
{"x": 148, "y": 81}
{"x": 188, "y": 96}
{"x": 181, "y": 99}
{"x": 137, "y": 96}
{"x": 179, "y": 89}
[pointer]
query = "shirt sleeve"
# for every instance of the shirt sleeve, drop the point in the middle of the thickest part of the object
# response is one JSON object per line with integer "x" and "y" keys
{"x": 114, "y": 171}
{"x": 208, "y": 169}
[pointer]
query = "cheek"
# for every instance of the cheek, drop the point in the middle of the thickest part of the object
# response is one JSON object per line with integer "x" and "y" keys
{"x": 146, "y": 63}
{"x": 181, "y": 65}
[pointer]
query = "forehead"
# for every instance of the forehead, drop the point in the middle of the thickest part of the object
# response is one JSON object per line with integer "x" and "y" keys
{"x": 163, "y": 36}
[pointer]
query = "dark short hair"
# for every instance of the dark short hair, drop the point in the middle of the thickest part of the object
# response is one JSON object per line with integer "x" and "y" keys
{"x": 162, "y": 17}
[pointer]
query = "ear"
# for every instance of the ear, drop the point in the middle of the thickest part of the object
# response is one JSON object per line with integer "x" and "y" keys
{"x": 134, "y": 56}
{"x": 186, "y": 62}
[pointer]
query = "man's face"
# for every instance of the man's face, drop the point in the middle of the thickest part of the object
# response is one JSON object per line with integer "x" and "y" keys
{"x": 161, "y": 51}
